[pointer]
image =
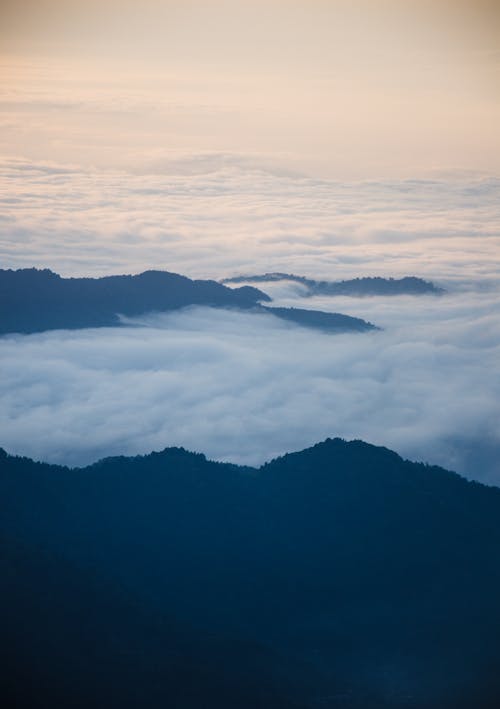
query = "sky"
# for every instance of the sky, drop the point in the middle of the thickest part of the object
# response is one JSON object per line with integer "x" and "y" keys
{"x": 324, "y": 138}
{"x": 350, "y": 90}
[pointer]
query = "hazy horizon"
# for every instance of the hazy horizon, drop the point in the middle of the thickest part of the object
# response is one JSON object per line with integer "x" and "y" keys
{"x": 344, "y": 90}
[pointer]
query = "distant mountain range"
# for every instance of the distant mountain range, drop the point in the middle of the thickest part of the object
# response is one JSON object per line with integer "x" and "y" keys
{"x": 34, "y": 300}
{"x": 409, "y": 285}
{"x": 341, "y": 576}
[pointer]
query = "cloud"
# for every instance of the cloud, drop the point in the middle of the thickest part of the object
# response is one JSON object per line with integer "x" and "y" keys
{"x": 214, "y": 215}
{"x": 245, "y": 387}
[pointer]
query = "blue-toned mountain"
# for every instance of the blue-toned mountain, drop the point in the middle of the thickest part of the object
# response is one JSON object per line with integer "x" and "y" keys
{"x": 339, "y": 576}
{"x": 365, "y": 286}
{"x": 34, "y": 300}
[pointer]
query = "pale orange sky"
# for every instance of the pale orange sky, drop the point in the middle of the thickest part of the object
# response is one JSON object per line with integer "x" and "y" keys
{"x": 372, "y": 88}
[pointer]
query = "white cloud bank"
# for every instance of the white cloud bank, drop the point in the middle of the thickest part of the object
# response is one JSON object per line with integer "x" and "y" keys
{"x": 245, "y": 388}
{"x": 242, "y": 387}
{"x": 214, "y": 215}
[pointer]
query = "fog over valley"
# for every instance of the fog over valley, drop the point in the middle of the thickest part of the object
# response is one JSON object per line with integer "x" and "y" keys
{"x": 246, "y": 387}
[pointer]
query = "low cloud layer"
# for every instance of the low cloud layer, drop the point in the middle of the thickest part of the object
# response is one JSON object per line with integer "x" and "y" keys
{"x": 245, "y": 388}
{"x": 216, "y": 215}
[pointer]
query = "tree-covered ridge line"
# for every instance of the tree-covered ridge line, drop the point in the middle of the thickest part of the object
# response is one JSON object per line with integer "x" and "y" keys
{"x": 365, "y": 286}
{"x": 34, "y": 300}
{"x": 339, "y": 576}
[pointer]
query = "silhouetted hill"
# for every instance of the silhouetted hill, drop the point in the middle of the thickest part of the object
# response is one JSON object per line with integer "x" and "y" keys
{"x": 34, "y": 300}
{"x": 319, "y": 320}
{"x": 340, "y": 576}
{"x": 409, "y": 285}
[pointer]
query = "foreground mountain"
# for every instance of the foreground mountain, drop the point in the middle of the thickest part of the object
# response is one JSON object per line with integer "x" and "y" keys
{"x": 34, "y": 300}
{"x": 409, "y": 285}
{"x": 340, "y": 576}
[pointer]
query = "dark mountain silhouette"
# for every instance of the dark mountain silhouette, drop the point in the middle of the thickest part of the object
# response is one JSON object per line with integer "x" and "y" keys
{"x": 341, "y": 576}
{"x": 319, "y": 320}
{"x": 409, "y": 285}
{"x": 34, "y": 300}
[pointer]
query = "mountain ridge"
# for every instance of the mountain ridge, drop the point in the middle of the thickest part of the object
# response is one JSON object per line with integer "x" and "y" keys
{"x": 358, "y": 287}
{"x": 33, "y": 300}
{"x": 328, "y": 444}
{"x": 338, "y": 576}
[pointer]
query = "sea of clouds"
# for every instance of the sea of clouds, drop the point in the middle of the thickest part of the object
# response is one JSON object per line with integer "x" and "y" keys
{"x": 214, "y": 215}
{"x": 247, "y": 387}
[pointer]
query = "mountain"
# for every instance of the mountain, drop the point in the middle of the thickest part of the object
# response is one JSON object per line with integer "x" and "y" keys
{"x": 340, "y": 576}
{"x": 319, "y": 320}
{"x": 409, "y": 285}
{"x": 34, "y": 300}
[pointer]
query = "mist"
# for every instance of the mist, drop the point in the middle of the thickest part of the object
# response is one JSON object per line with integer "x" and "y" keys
{"x": 246, "y": 387}
{"x": 211, "y": 215}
